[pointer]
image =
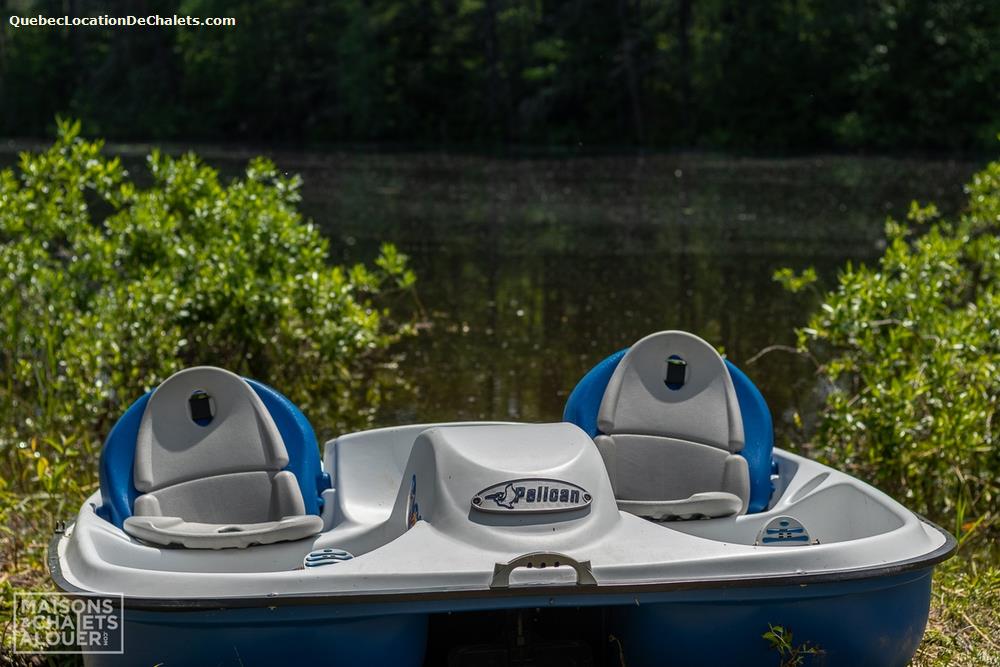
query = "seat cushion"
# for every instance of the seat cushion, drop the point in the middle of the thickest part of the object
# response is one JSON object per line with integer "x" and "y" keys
{"x": 243, "y": 497}
{"x": 234, "y": 510}
{"x": 653, "y": 469}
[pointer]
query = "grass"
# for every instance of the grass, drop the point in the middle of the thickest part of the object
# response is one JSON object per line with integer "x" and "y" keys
{"x": 789, "y": 653}
{"x": 964, "y": 626}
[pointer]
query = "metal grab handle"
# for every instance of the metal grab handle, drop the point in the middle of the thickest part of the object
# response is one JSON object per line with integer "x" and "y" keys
{"x": 540, "y": 560}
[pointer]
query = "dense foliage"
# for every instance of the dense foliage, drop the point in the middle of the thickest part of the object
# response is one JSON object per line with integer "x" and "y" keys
{"x": 909, "y": 361}
{"x": 774, "y": 74}
{"x": 107, "y": 287}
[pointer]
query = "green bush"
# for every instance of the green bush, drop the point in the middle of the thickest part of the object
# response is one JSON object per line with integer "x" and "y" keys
{"x": 909, "y": 359}
{"x": 107, "y": 287}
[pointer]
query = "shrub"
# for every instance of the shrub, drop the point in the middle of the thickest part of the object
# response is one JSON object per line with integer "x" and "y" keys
{"x": 909, "y": 359}
{"x": 107, "y": 287}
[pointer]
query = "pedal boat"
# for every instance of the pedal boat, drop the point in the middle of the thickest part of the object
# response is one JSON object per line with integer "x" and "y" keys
{"x": 656, "y": 525}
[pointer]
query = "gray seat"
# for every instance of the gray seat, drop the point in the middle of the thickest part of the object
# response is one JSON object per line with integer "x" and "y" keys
{"x": 673, "y": 431}
{"x": 209, "y": 467}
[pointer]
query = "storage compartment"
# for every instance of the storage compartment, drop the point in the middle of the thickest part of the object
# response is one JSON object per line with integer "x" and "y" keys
{"x": 843, "y": 512}
{"x": 837, "y": 513}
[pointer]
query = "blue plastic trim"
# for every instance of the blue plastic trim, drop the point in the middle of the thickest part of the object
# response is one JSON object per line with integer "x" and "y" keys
{"x": 758, "y": 432}
{"x": 300, "y": 443}
{"x": 585, "y": 399}
{"x": 758, "y": 437}
{"x": 118, "y": 492}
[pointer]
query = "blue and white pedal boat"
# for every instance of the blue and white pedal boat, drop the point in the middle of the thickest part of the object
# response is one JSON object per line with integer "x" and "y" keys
{"x": 657, "y": 525}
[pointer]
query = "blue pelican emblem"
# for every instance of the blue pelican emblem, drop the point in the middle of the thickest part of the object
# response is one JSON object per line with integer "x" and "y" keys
{"x": 505, "y": 498}
{"x": 531, "y": 494}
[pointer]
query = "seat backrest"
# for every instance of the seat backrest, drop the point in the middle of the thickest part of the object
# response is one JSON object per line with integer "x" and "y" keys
{"x": 675, "y": 387}
{"x": 673, "y": 384}
{"x": 198, "y": 425}
{"x": 203, "y": 422}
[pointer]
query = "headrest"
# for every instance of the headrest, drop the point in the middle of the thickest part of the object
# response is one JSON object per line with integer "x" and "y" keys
{"x": 676, "y": 385}
{"x": 201, "y": 422}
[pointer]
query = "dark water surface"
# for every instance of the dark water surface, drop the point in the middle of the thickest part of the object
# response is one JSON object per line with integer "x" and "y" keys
{"x": 533, "y": 270}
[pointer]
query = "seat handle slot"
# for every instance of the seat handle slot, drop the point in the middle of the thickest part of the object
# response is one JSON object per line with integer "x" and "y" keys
{"x": 541, "y": 560}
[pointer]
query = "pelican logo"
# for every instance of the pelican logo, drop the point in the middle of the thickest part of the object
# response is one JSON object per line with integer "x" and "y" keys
{"x": 412, "y": 507}
{"x": 523, "y": 496}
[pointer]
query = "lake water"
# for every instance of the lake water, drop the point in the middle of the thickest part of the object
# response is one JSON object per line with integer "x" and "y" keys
{"x": 531, "y": 271}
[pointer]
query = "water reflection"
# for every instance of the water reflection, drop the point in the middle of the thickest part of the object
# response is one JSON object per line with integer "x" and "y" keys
{"x": 534, "y": 270}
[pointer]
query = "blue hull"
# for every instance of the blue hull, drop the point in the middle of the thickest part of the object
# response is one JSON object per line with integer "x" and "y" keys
{"x": 875, "y": 621}
{"x": 284, "y": 636}
{"x": 865, "y": 623}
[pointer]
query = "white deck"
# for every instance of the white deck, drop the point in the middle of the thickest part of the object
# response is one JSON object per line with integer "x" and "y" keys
{"x": 454, "y": 547}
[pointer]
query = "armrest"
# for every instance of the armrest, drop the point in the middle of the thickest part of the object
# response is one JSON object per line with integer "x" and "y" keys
{"x": 710, "y": 504}
{"x": 172, "y": 530}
